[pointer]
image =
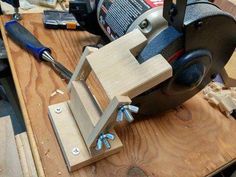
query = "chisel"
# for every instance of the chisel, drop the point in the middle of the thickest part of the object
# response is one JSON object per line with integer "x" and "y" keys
{"x": 28, "y": 41}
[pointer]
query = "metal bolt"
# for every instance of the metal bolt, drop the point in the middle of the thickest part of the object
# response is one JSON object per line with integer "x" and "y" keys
{"x": 106, "y": 143}
{"x": 128, "y": 115}
{"x": 120, "y": 116}
{"x": 143, "y": 24}
{"x": 58, "y": 110}
{"x": 199, "y": 24}
{"x": 133, "y": 109}
{"x": 103, "y": 139}
{"x": 16, "y": 15}
{"x": 75, "y": 151}
{"x": 126, "y": 111}
{"x": 99, "y": 144}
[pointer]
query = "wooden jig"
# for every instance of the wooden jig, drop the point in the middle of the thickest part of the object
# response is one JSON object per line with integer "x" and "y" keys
{"x": 80, "y": 124}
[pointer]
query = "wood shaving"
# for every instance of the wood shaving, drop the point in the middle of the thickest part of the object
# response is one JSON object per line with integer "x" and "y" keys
{"x": 218, "y": 95}
{"x": 46, "y": 153}
{"x": 56, "y": 92}
{"x": 53, "y": 94}
{"x": 59, "y": 91}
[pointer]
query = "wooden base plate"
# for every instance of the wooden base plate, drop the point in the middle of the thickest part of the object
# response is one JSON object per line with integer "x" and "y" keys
{"x": 69, "y": 138}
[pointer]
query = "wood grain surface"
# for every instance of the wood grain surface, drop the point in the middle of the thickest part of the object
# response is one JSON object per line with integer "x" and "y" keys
{"x": 227, "y": 5}
{"x": 191, "y": 141}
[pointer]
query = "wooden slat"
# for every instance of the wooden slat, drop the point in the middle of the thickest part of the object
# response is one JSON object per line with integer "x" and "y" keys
{"x": 26, "y": 158}
{"x": 9, "y": 159}
{"x": 82, "y": 64}
{"x": 84, "y": 108}
{"x": 107, "y": 120}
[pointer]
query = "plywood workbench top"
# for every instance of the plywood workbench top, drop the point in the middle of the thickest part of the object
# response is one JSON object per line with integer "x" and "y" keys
{"x": 191, "y": 141}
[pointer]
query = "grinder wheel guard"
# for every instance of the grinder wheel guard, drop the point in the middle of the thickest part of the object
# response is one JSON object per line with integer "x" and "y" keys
{"x": 196, "y": 37}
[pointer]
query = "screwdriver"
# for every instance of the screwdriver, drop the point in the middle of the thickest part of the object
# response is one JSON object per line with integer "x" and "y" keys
{"x": 28, "y": 41}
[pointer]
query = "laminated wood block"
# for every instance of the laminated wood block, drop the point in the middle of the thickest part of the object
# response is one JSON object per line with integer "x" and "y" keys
{"x": 25, "y": 154}
{"x": 9, "y": 159}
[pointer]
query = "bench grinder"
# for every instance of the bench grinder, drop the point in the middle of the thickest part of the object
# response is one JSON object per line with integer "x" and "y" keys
{"x": 195, "y": 36}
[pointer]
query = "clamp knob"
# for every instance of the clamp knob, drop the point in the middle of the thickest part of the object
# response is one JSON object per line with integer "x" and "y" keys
{"x": 103, "y": 139}
{"x": 126, "y": 111}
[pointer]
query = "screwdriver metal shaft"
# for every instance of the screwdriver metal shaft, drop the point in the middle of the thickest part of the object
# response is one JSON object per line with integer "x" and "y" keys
{"x": 59, "y": 67}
